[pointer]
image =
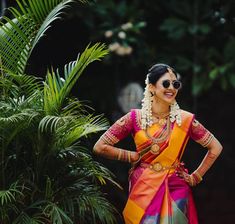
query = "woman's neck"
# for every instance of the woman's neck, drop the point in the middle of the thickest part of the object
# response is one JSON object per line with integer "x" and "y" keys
{"x": 160, "y": 108}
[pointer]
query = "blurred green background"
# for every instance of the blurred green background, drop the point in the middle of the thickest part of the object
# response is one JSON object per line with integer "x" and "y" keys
{"x": 196, "y": 37}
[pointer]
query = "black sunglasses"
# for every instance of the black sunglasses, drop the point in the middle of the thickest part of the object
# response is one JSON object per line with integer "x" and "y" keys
{"x": 176, "y": 84}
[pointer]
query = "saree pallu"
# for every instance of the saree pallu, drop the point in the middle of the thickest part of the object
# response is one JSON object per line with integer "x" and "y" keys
{"x": 159, "y": 196}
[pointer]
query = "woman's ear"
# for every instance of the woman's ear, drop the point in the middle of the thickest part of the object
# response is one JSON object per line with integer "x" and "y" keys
{"x": 152, "y": 88}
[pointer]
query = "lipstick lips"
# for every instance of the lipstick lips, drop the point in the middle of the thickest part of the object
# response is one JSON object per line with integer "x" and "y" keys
{"x": 169, "y": 94}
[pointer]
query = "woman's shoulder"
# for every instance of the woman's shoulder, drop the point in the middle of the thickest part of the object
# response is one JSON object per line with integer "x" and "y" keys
{"x": 187, "y": 119}
{"x": 186, "y": 113}
{"x": 135, "y": 114}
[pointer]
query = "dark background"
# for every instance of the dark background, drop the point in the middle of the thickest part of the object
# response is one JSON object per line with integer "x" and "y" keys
{"x": 194, "y": 54}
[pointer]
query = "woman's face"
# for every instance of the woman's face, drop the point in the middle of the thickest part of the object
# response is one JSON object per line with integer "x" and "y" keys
{"x": 168, "y": 93}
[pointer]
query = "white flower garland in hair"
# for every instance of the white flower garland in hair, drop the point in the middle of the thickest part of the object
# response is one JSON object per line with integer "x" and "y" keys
{"x": 146, "y": 110}
{"x": 175, "y": 113}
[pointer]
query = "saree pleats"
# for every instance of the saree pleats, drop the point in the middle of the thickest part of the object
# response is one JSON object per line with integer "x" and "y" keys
{"x": 171, "y": 203}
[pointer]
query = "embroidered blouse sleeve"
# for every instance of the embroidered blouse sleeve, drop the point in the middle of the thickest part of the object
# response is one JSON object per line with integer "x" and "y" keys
{"x": 200, "y": 134}
{"x": 119, "y": 130}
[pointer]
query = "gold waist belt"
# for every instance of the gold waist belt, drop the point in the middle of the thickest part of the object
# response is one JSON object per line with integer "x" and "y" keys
{"x": 158, "y": 167}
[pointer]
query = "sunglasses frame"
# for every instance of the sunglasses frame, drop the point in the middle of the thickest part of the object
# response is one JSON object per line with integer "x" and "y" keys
{"x": 172, "y": 83}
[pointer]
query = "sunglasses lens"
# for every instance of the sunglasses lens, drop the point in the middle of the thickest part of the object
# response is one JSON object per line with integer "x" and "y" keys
{"x": 166, "y": 83}
{"x": 177, "y": 84}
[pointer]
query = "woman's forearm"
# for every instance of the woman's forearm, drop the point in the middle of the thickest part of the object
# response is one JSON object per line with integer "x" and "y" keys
{"x": 214, "y": 150}
{"x": 111, "y": 152}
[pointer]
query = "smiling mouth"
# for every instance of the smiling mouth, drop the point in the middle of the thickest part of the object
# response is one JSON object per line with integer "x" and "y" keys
{"x": 169, "y": 94}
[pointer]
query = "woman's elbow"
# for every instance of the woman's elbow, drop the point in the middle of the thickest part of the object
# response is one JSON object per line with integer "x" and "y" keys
{"x": 220, "y": 148}
{"x": 98, "y": 148}
{"x": 216, "y": 147}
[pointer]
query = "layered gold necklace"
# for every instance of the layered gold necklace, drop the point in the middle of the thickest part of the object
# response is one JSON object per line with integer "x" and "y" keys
{"x": 161, "y": 118}
{"x": 155, "y": 148}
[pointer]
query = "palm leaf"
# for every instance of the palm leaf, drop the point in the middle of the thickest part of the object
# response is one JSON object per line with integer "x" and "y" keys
{"x": 18, "y": 36}
{"x": 24, "y": 218}
{"x": 92, "y": 202}
{"x": 87, "y": 204}
{"x": 56, "y": 90}
{"x": 79, "y": 127}
{"x": 50, "y": 123}
{"x": 56, "y": 214}
{"x": 18, "y": 86}
{"x": 10, "y": 195}
{"x": 15, "y": 119}
{"x": 25, "y": 85}
{"x": 83, "y": 165}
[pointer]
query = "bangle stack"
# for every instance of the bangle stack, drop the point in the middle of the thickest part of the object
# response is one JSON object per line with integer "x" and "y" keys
{"x": 124, "y": 155}
{"x": 197, "y": 177}
{"x": 119, "y": 154}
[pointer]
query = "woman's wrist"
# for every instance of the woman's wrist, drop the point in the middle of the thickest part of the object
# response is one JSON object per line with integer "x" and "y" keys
{"x": 135, "y": 158}
{"x": 197, "y": 177}
{"x": 194, "y": 179}
{"x": 127, "y": 156}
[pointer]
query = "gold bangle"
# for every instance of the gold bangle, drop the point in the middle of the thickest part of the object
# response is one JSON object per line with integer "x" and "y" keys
{"x": 119, "y": 154}
{"x": 198, "y": 176}
{"x": 129, "y": 156}
{"x": 191, "y": 179}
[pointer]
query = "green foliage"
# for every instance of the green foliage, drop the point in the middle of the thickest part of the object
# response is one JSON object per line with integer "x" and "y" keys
{"x": 195, "y": 37}
{"x": 120, "y": 25}
{"x": 192, "y": 30}
{"x": 57, "y": 90}
{"x": 47, "y": 175}
{"x": 20, "y": 35}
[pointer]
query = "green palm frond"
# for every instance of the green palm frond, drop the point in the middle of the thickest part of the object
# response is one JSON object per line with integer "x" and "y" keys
{"x": 81, "y": 160}
{"x": 10, "y": 195}
{"x": 94, "y": 125}
{"x": 15, "y": 124}
{"x": 21, "y": 118}
{"x": 79, "y": 127}
{"x": 87, "y": 204}
{"x": 18, "y": 36}
{"x": 56, "y": 89}
{"x": 92, "y": 202}
{"x": 50, "y": 123}
{"x": 18, "y": 85}
{"x": 43, "y": 129}
{"x": 24, "y": 218}
{"x": 15, "y": 119}
{"x": 75, "y": 107}
{"x": 56, "y": 214}
{"x": 6, "y": 197}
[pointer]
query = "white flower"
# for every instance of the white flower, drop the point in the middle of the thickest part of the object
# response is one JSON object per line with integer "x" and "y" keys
{"x": 108, "y": 33}
{"x": 128, "y": 50}
{"x": 114, "y": 46}
{"x": 122, "y": 35}
{"x": 126, "y": 26}
{"x": 121, "y": 51}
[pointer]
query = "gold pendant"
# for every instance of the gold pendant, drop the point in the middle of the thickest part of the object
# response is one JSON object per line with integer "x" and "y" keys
{"x": 162, "y": 121}
{"x": 155, "y": 149}
{"x": 157, "y": 167}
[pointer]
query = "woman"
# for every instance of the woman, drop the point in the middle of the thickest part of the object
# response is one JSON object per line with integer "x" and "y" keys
{"x": 159, "y": 184}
